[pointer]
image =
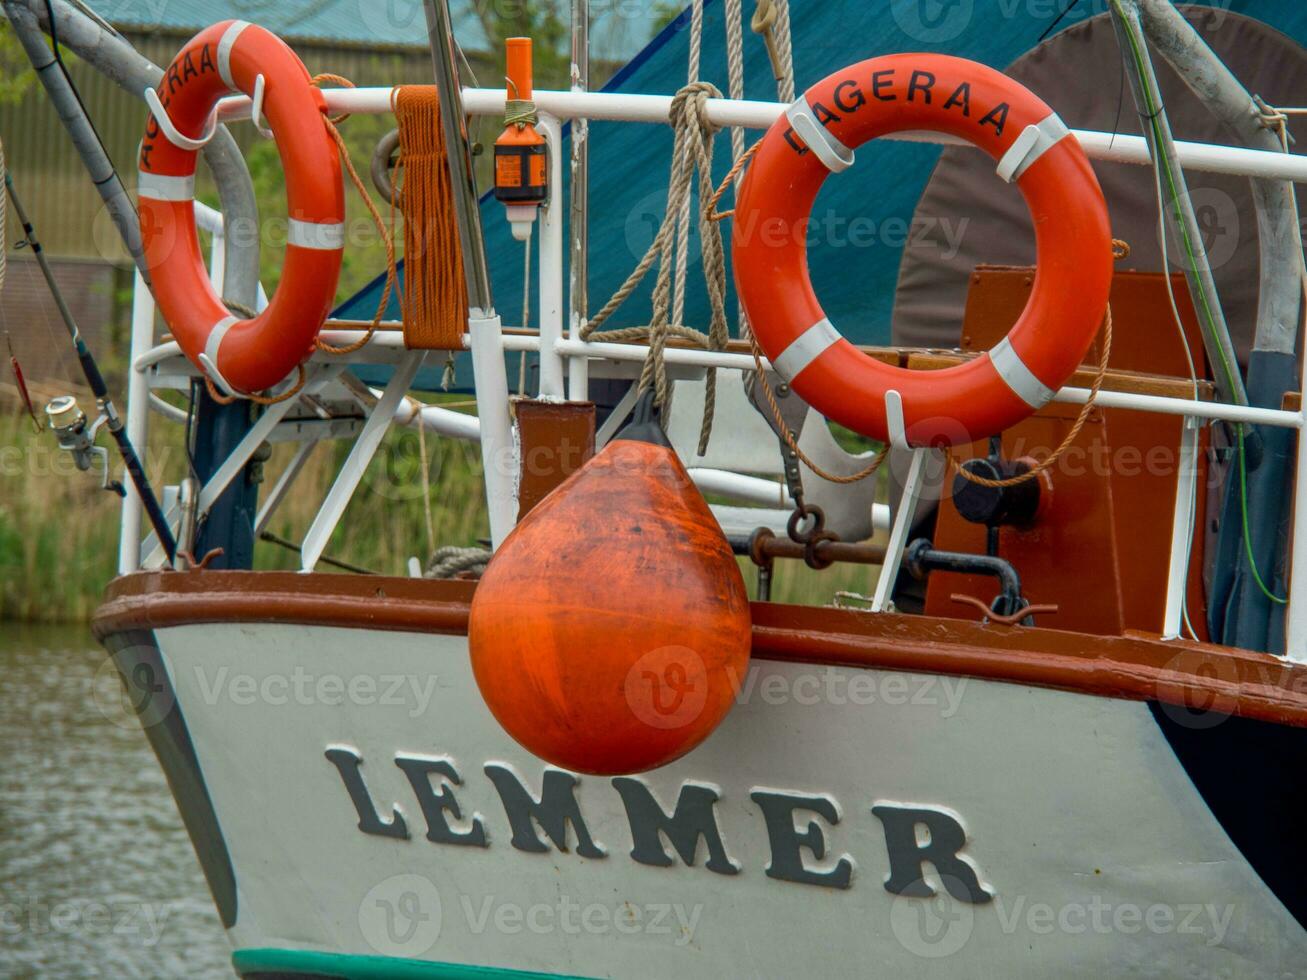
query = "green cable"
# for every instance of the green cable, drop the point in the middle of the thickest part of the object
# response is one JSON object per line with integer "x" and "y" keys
{"x": 1164, "y": 165}
{"x": 1247, "y": 539}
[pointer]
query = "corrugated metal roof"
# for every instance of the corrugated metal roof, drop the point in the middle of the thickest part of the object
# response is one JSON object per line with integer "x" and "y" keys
{"x": 620, "y": 27}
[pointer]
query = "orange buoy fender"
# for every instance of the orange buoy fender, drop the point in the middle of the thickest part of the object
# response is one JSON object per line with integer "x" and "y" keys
{"x": 611, "y": 630}
{"x": 817, "y": 136}
{"x": 241, "y": 355}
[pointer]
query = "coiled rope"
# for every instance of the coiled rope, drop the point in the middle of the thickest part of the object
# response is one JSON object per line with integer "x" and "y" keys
{"x": 435, "y": 306}
{"x": 451, "y": 560}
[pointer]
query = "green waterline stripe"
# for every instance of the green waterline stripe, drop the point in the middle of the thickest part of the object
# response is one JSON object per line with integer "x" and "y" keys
{"x": 354, "y": 967}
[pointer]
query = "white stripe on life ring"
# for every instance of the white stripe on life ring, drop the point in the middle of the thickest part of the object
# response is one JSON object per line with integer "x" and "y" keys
{"x": 225, "y": 45}
{"x": 1007, "y": 362}
{"x": 311, "y": 234}
{"x": 804, "y": 349}
{"x": 162, "y": 187}
{"x": 827, "y": 147}
{"x": 1033, "y": 143}
{"x": 209, "y": 359}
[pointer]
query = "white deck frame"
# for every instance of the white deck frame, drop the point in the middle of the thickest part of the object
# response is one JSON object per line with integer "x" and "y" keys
{"x": 566, "y": 356}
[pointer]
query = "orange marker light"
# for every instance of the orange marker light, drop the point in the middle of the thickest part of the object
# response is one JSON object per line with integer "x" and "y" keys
{"x": 611, "y": 631}
{"x": 521, "y": 156}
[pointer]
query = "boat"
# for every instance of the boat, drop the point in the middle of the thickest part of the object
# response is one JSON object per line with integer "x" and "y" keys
{"x": 1061, "y": 731}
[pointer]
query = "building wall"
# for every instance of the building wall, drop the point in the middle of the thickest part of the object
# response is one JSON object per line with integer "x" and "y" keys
{"x": 93, "y": 290}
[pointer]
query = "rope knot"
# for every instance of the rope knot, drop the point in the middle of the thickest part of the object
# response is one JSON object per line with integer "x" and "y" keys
{"x": 690, "y": 106}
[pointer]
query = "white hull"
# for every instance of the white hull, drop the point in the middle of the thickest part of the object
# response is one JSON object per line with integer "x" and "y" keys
{"x": 1087, "y": 850}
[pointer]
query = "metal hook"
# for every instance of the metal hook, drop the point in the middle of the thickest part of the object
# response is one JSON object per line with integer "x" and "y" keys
{"x": 256, "y": 108}
{"x": 898, "y": 435}
{"x": 171, "y": 133}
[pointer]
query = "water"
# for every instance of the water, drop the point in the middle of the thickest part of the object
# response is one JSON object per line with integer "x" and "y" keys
{"x": 97, "y": 875}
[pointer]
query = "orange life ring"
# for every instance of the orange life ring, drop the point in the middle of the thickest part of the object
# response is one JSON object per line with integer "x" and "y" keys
{"x": 241, "y": 355}
{"x": 817, "y": 135}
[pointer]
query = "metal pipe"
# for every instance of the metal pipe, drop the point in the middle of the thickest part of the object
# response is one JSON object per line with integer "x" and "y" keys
{"x": 1225, "y": 97}
{"x": 138, "y": 393}
{"x": 1198, "y": 270}
{"x": 440, "y": 34}
{"x": 392, "y": 341}
{"x": 551, "y": 265}
{"x": 579, "y": 224}
{"x": 921, "y": 559}
{"x": 624, "y": 107}
{"x": 770, "y": 546}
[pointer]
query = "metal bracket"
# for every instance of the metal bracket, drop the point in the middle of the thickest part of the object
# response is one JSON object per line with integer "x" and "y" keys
{"x": 256, "y": 107}
{"x": 171, "y": 133}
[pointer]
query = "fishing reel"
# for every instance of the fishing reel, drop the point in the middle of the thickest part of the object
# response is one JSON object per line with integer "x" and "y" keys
{"x": 76, "y": 436}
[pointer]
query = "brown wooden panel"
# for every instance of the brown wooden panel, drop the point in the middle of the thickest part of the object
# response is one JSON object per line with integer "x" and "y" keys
{"x": 1100, "y": 546}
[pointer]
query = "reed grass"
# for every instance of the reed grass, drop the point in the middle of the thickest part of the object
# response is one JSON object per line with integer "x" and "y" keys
{"x": 59, "y": 530}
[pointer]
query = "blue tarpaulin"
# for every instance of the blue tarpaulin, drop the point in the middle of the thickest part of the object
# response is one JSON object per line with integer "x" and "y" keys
{"x": 629, "y": 162}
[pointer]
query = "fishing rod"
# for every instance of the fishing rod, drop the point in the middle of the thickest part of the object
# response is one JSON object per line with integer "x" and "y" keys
{"x": 69, "y": 422}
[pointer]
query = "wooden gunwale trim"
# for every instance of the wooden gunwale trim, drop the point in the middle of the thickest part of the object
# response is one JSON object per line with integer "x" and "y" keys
{"x": 1191, "y": 676}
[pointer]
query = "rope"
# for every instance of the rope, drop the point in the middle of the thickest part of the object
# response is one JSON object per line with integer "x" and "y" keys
{"x": 1071, "y": 435}
{"x": 691, "y": 152}
{"x": 792, "y": 442}
{"x": 711, "y": 212}
{"x": 340, "y": 80}
{"x": 435, "y": 293}
{"x": 242, "y": 310}
{"x": 782, "y": 30}
{"x": 520, "y": 112}
{"x": 449, "y": 561}
{"x": 683, "y": 216}
{"x": 255, "y": 397}
{"x": 1120, "y": 250}
{"x": 386, "y": 237}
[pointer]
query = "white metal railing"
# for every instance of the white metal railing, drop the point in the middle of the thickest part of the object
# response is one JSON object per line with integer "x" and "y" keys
{"x": 623, "y": 107}
{"x": 566, "y": 356}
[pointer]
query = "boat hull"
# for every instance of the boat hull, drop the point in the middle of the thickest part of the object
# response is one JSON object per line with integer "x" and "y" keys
{"x": 358, "y": 812}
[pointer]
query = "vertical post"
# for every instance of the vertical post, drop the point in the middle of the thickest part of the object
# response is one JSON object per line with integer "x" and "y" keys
{"x": 138, "y": 420}
{"x": 1182, "y": 525}
{"x": 904, "y": 515}
{"x": 1296, "y": 639}
{"x": 578, "y": 381}
{"x": 498, "y": 458}
{"x": 551, "y": 266}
